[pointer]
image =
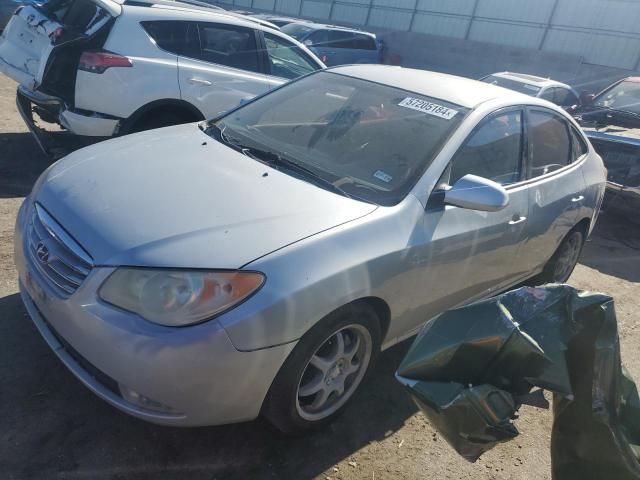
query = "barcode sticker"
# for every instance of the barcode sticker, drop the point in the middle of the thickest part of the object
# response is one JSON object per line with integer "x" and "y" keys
{"x": 428, "y": 108}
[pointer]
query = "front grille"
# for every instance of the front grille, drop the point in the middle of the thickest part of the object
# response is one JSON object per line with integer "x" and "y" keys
{"x": 59, "y": 259}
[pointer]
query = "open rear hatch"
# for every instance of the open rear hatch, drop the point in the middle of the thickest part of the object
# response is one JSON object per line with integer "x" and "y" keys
{"x": 41, "y": 45}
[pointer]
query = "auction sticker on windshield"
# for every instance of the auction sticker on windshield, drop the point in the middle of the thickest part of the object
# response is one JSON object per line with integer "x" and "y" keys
{"x": 428, "y": 107}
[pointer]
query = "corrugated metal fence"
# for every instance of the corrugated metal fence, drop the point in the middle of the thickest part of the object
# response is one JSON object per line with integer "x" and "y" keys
{"x": 603, "y": 32}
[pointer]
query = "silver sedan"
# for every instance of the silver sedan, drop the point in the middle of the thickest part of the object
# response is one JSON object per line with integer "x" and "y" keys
{"x": 257, "y": 263}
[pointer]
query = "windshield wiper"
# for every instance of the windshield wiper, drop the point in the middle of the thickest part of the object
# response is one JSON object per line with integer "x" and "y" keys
{"x": 276, "y": 160}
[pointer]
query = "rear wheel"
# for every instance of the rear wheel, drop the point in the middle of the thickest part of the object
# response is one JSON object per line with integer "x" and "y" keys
{"x": 560, "y": 267}
{"x": 161, "y": 119}
{"x": 324, "y": 370}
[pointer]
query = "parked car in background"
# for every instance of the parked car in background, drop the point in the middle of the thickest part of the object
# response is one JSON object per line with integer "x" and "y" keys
{"x": 277, "y": 20}
{"x": 556, "y": 92}
{"x": 257, "y": 263}
{"x": 101, "y": 68}
{"x": 7, "y": 7}
{"x": 611, "y": 120}
{"x": 337, "y": 45}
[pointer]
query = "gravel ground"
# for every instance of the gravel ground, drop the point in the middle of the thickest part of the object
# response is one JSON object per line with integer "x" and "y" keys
{"x": 54, "y": 428}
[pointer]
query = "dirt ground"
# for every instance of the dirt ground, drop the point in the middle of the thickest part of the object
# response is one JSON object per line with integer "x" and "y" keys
{"x": 51, "y": 427}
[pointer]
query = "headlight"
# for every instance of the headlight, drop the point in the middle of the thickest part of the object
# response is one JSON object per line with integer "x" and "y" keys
{"x": 178, "y": 297}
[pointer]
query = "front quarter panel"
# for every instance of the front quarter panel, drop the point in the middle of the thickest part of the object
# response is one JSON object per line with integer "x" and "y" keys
{"x": 369, "y": 257}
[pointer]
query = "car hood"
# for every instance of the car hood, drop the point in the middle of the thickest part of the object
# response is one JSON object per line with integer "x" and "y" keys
{"x": 175, "y": 197}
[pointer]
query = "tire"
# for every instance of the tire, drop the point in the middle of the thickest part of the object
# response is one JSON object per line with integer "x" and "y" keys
{"x": 295, "y": 403}
{"x": 162, "y": 119}
{"x": 561, "y": 265}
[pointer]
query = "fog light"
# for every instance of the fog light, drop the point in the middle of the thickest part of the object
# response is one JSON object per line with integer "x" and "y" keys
{"x": 140, "y": 400}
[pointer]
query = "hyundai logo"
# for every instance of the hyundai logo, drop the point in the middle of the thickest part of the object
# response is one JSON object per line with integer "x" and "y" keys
{"x": 42, "y": 252}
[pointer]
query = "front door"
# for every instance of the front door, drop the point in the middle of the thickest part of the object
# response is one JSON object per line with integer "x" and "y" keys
{"x": 469, "y": 254}
{"x": 222, "y": 69}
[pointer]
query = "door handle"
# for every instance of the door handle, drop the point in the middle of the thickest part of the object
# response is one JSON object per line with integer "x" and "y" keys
{"x": 517, "y": 219}
{"x": 200, "y": 81}
{"x": 577, "y": 199}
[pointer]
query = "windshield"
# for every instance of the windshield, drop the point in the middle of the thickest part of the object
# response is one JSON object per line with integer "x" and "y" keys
{"x": 369, "y": 140}
{"x": 624, "y": 96}
{"x": 296, "y": 30}
{"x": 521, "y": 87}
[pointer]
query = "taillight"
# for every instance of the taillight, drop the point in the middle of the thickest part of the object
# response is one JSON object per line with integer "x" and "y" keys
{"x": 99, "y": 61}
{"x": 56, "y": 34}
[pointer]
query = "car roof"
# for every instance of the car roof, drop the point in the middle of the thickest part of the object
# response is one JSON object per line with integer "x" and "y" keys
{"x": 324, "y": 26}
{"x": 195, "y": 6}
{"x": 459, "y": 90}
{"x": 530, "y": 79}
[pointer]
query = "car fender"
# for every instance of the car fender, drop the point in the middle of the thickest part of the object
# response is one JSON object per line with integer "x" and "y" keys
{"x": 305, "y": 281}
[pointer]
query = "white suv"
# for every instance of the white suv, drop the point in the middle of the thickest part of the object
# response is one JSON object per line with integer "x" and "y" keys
{"x": 102, "y": 68}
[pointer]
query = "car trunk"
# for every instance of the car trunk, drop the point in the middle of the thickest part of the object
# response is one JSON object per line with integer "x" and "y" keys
{"x": 42, "y": 44}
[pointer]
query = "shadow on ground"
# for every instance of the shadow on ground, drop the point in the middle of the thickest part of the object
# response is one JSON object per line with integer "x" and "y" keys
{"x": 21, "y": 162}
{"x": 614, "y": 247}
{"x": 53, "y": 427}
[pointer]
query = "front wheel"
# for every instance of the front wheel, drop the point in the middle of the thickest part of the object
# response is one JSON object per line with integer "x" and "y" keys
{"x": 560, "y": 267}
{"x": 324, "y": 370}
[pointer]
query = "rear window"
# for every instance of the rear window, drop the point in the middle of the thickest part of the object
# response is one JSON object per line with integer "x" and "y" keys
{"x": 364, "y": 42}
{"x": 229, "y": 45}
{"x": 521, "y": 87}
{"x": 351, "y": 40}
{"x": 170, "y": 36}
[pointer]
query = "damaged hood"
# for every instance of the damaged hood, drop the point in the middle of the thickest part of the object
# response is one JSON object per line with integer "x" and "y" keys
{"x": 175, "y": 197}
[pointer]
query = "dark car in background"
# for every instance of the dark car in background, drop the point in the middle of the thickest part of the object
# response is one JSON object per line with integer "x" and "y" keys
{"x": 336, "y": 45}
{"x": 611, "y": 120}
{"x": 556, "y": 92}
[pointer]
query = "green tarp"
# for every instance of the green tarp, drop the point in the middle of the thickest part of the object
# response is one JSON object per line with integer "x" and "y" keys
{"x": 471, "y": 369}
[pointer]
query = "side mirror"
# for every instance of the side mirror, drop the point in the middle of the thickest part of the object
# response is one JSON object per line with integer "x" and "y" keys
{"x": 308, "y": 43}
{"x": 477, "y": 193}
{"x": 586, "y": 98}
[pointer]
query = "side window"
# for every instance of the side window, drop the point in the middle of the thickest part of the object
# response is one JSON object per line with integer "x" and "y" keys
{"x": 286, "y": 60}
{"x": 548, "y": 94}
{"x": 318, "y": 38}
{"x": 364, "y": 42}
{"x": 170, "y": 36}
{"x": 565, "y": 97}
{"x": 229, "y": 45}
{"x": 578, "y": 145}
{"x": 549, "y": 143}
{"x": 493, "y": 151}
{"x": 340, "y": 39}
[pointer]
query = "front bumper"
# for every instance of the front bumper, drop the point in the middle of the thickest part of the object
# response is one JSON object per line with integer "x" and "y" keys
{"x": 194, "y": 370}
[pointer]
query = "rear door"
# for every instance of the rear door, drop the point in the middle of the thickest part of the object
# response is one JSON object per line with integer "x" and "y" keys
{"x": 36, "y": 32}
{"x": 556, "y": 184}
{"x": 222, "y": 67}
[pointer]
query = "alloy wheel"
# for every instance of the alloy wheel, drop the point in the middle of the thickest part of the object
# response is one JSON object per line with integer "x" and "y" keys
{"x": 334, "y": 372}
